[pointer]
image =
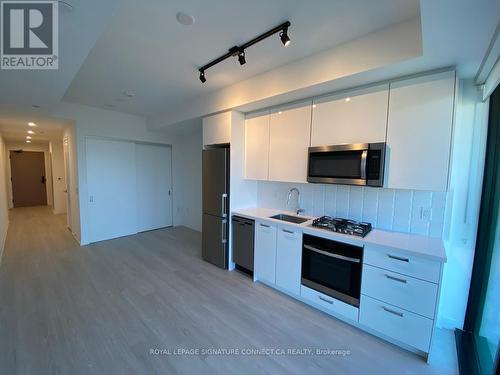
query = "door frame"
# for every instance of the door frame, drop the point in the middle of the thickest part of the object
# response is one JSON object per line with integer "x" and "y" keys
{"x": 67, "y": 180}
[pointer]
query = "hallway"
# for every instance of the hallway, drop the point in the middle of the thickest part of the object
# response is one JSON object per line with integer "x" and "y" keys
{"x": 99, "y": 309}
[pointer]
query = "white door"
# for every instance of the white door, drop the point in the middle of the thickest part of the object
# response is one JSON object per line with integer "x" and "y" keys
{"x": 111, "y": 180}
{"x": 154, "y": 186}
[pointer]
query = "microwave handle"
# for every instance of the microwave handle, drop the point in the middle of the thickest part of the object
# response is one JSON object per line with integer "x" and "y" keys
{"x": 364, "y": 156}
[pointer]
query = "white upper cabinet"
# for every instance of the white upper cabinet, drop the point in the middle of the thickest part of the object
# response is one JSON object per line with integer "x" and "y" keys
{"x": 419, "y": 132}
{"x": 289, "y": 142}
{"x": 351, "y": 117}
{"x": 257, "y": 147}
{"x": 217, "y": 129}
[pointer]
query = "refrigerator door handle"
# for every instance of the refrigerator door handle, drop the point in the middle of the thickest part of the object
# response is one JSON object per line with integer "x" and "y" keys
{"x": 223, "y": 204}
{"x": 223, "y": 231}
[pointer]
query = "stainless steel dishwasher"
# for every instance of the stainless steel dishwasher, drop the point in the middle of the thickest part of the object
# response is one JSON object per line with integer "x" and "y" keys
{"x": 243, "y": 240}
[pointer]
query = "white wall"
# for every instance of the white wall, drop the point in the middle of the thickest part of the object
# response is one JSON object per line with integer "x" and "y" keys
{"x": 40, "y": 147}
{"x": 91, "y": 121}
{"x": 331, "y": 70}
{"x": 4, "y": 211}
{"x": 58, "y": 180}
{"x": 187, "y": 179}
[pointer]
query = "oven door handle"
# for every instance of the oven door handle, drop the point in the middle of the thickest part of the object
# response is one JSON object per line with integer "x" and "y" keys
{"x": 336, "y": 256}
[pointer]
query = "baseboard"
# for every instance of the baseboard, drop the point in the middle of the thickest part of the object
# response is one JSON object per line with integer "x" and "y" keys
{"x": 2, "y": 241}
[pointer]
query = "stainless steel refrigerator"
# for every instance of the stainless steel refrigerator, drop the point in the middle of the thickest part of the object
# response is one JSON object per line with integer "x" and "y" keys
{"x": 215, "y": 230}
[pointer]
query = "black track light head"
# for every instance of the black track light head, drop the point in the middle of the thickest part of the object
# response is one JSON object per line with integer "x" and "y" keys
{"x": 284, "y": 37}
{"x": 241, "y": 57}
{"x": 202, "y": 76}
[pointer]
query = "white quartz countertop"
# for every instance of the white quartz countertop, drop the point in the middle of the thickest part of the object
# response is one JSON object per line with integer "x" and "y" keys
{"x": 428, "y": 247}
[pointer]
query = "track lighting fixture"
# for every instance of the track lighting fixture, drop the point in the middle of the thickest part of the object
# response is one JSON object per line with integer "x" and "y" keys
{"x": 284, "y": 37}
{"x": 240, "y": 50}
{"x": 241, "y": 57}
{"x": 202, "y": 76}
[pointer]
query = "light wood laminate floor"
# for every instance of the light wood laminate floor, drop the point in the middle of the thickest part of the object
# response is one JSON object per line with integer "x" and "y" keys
{"x": 99, "y": 309}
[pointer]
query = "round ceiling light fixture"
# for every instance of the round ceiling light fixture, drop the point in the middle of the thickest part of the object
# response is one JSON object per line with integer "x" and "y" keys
{"x": 185, "y": 19}
{"x": 31, "y": 124}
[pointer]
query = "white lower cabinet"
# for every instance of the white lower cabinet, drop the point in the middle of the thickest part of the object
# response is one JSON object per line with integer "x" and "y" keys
{"x": 399, "y": 294}
{"x": 329, "y": 304}
{"x": 407, "y": 292}
{"x": 399, "y": 291}
{"x": 265, "y": 252}
{"x": 402, "y": 325}
{"x": 288, "y": 260}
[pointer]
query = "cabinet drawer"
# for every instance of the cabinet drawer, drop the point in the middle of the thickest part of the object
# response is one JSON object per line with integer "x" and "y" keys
{"x": 399, "y": 324}
{"x": 403, "y": 263}
{"x": 328, "y": 303}
{"x": 406, "y": 292}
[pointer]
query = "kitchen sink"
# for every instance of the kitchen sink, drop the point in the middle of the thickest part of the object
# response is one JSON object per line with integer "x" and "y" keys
{"x": 289, "y": 218}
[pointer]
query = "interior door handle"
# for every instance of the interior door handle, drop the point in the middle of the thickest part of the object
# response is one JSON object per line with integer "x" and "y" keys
{"x": 43, "y": 179}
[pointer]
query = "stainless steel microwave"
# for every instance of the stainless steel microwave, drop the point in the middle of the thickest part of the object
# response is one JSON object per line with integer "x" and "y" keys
{"x": 350, "y": 164}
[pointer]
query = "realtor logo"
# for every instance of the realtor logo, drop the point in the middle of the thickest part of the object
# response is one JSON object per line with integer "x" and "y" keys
{"x": 29, "y": 34}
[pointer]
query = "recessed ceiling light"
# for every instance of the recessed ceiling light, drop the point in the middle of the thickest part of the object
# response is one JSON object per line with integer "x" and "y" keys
{"x": 279, "y": 113}
{"x": 31, "y": 124}
{"x": 314, "y": 105}
{"x": 28, "y": 141}
{"x": 28, "y": 137}
{"x": 185, "y": 19}
{"x": 31, "y": 132}
{"x": 347, "y": 99}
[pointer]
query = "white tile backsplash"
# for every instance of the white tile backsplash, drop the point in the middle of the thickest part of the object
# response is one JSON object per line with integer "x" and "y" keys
{"x": 390, "y": 209}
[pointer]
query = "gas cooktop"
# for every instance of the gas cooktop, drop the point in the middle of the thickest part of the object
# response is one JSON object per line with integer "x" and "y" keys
{"x": 351, "y": 227}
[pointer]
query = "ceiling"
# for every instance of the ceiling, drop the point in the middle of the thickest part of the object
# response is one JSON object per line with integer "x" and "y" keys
{"x": 146, "y": 50}
{"x": 109, "y": 47}
{"x": 15, "y": 128}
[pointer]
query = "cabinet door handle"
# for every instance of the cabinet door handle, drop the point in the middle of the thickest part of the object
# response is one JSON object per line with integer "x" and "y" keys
{"x": 398, "y": 258}
{"x": 287, "y": 231}
{"x": 265, "y": 225}
{"x": 393, "y": 312}
{"x": 396, "y": 279}
{"x": 326, "y": 300}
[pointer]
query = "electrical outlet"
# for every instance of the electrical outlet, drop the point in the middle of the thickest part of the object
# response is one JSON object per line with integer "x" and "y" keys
{"x": 425, "y": 213}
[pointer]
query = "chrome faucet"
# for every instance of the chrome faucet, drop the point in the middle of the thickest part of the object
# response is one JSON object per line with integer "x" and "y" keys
{"x": 298, "y": 210}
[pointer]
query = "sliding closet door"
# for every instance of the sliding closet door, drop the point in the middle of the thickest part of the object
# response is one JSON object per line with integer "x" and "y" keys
{"x": 111, "y": 180}
{"x": 154, "y": 186}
